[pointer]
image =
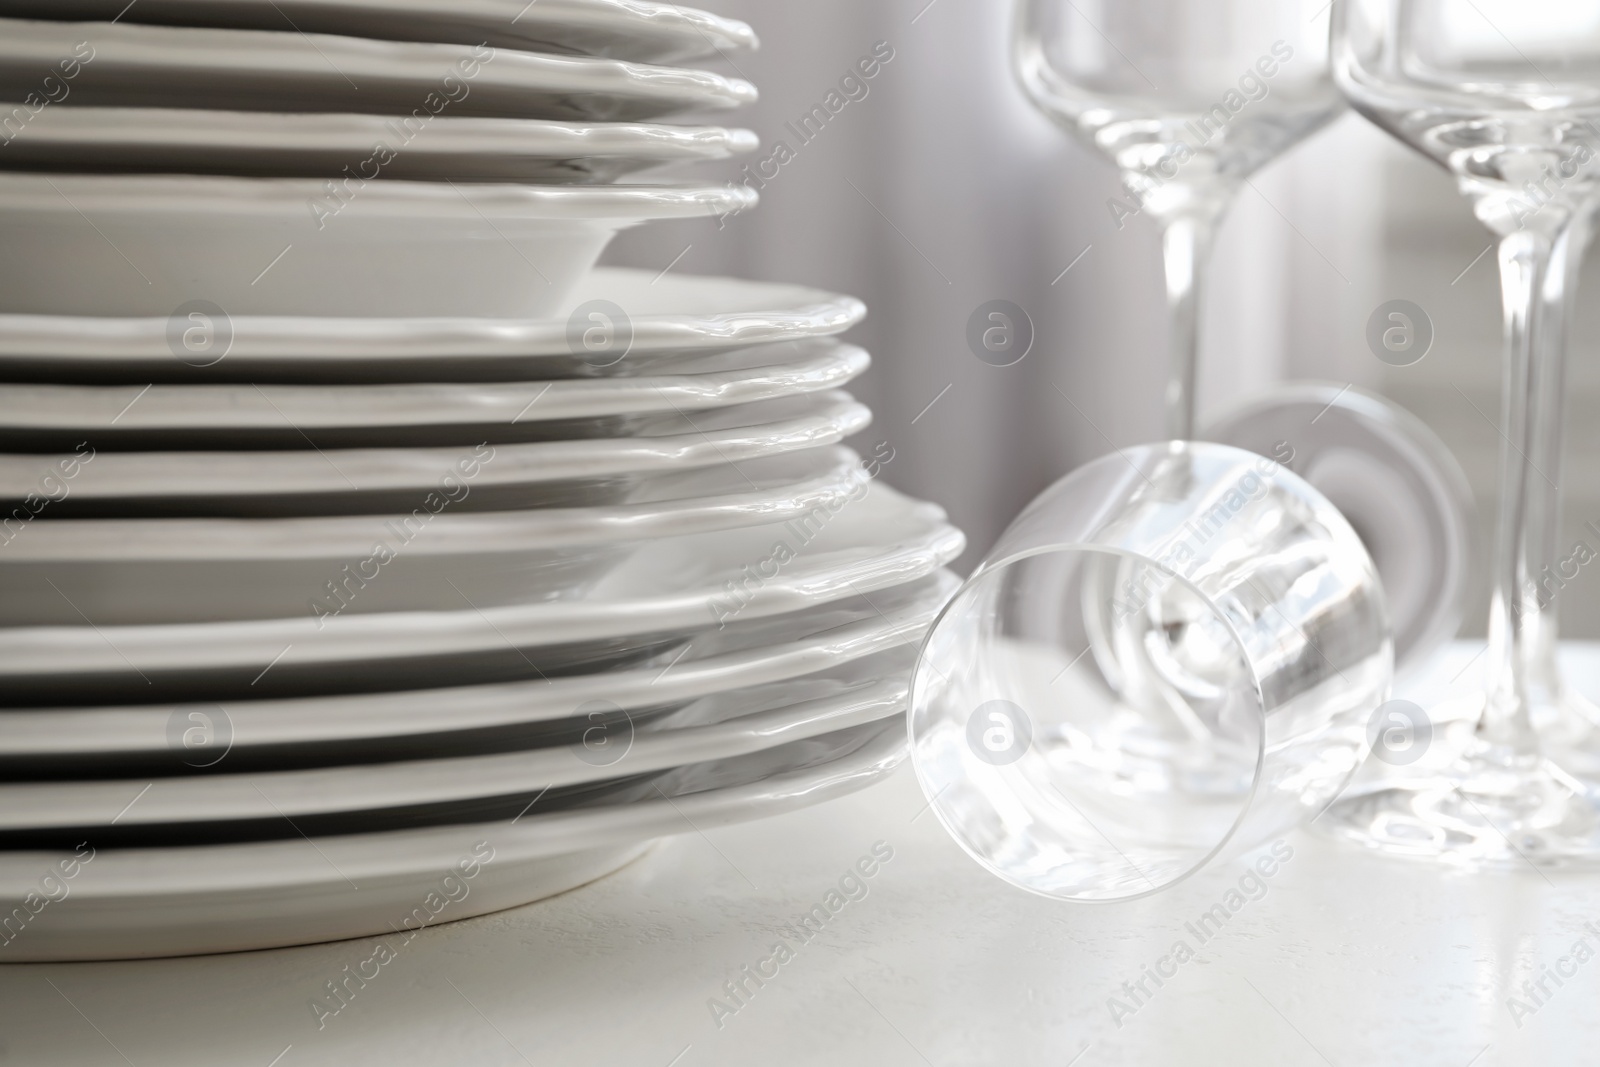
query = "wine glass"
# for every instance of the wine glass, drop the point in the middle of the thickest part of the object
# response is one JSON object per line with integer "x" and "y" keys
{"x": 1187, "y": 98}
{"x": 1504, "y": 95}
{"x": 1204, "y": 580}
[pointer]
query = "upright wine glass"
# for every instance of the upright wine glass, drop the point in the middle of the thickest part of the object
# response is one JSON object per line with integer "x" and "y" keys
{"x": 1505, "y": 95}
{"x": 1187, "y": 98}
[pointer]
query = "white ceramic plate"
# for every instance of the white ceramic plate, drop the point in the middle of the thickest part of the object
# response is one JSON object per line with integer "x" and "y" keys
{"x": 120, "y": 64}
{"x": 613, "y": 748}
{"x": 41, "y": 417}
{"x": 670, "y": 590}
{"x": 164, "y": 738}
{"x": 267, "y": 144}
{"x": 1396, "y": 483}
{"x": 660, "y": 315}
{"x": 621, "y": 29}
{"x": 206, "y": 570}
{"x": 181, "y": 245}
{"x": 352, "y": 481}
{"x": 129, "y": 903}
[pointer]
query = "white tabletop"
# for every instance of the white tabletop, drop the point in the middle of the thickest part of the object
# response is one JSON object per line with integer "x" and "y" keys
{"x": 1346, "y": 959}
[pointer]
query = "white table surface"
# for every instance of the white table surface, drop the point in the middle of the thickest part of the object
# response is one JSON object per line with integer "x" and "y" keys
{"x": 1348, "y": 959}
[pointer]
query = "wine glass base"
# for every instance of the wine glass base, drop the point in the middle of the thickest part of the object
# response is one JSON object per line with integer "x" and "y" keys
{"x": 1569, "y": 729}
{"x": 1482, "y": 811}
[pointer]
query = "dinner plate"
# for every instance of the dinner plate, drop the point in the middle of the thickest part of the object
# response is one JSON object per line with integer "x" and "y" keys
{"x": 216, "y": 808}
{"x": 266, "y": 144}
{"x": 165, "y": 739}
{"x": 125, "y": 65}
{"x": 206, "y": 570}
{"x": 198, "y": 249}
{"x": 1399, "y": 485}
{"x": 131, "y": 903}
{"x": 653, "y": 316}
{"x": 38, "y": 418}
{"x": 668, "y": 591}
{"x": 349, "y": 481}
{"x": 621, "y": 29}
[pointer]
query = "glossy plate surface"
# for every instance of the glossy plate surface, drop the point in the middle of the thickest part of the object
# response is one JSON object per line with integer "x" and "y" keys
{"x": 670, "y": 590}
{"x": 125, "y": 65}
{"x": 192, "y": 570}
{"x": 661, "y": 317}
{"x": 141, "y": 738}
{"x": 131, "y": 903}
{"x": 40, "y": 417}
{"x": 300, "y": 145}
{"x": 351, "y": 481}
{"x": 199, "y": 249}
{"x": 621, "y": 29}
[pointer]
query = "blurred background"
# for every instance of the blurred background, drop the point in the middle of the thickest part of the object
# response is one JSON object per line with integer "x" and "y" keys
{"x": 942, "y": 189}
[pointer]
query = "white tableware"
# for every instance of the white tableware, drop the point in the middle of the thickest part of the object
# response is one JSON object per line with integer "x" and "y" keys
{"x": 621, "y": 29}
{"x": 41, "y": 417}
{"x": 660, "y": 315}
{"x": 670, "y": 590}
{"x": 350, "y": 481}
{"x": 180, "y": 245}
{"x": 202, "y": 807}
{"x": 137, "y": 738}
{"x": 1396, "y": 483}
{"x": 128, "y": 571}
{"x": 124, "y": 65}
{"x": 129, "y": 903}
{"x": 268, "y": 144}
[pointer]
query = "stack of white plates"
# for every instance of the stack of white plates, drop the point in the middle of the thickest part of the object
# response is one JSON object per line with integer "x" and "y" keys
{"x": 368, "y": 559}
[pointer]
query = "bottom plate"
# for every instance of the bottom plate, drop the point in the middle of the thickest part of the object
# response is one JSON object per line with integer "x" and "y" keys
{"x": 140, "y": 903}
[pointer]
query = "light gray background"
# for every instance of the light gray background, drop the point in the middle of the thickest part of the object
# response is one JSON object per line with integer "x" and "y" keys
{"x": 943, "y": 189}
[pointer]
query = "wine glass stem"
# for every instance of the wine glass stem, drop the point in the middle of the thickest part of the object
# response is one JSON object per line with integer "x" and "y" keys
{"x": 1535, "y": 269}
{"x": 1542, "y": 679}
{"x": 1185, "y": 245}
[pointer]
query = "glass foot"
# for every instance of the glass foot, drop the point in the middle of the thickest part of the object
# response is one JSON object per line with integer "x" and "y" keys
{"x": 1569, "y": 729}
{"x": 1486, "y": 809}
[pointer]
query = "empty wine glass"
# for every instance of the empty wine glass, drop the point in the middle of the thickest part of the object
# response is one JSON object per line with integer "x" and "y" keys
{"x": 1172, "y": 653}
{"x": 1504, "y": 94}
{"x": 1187, "y": 98}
